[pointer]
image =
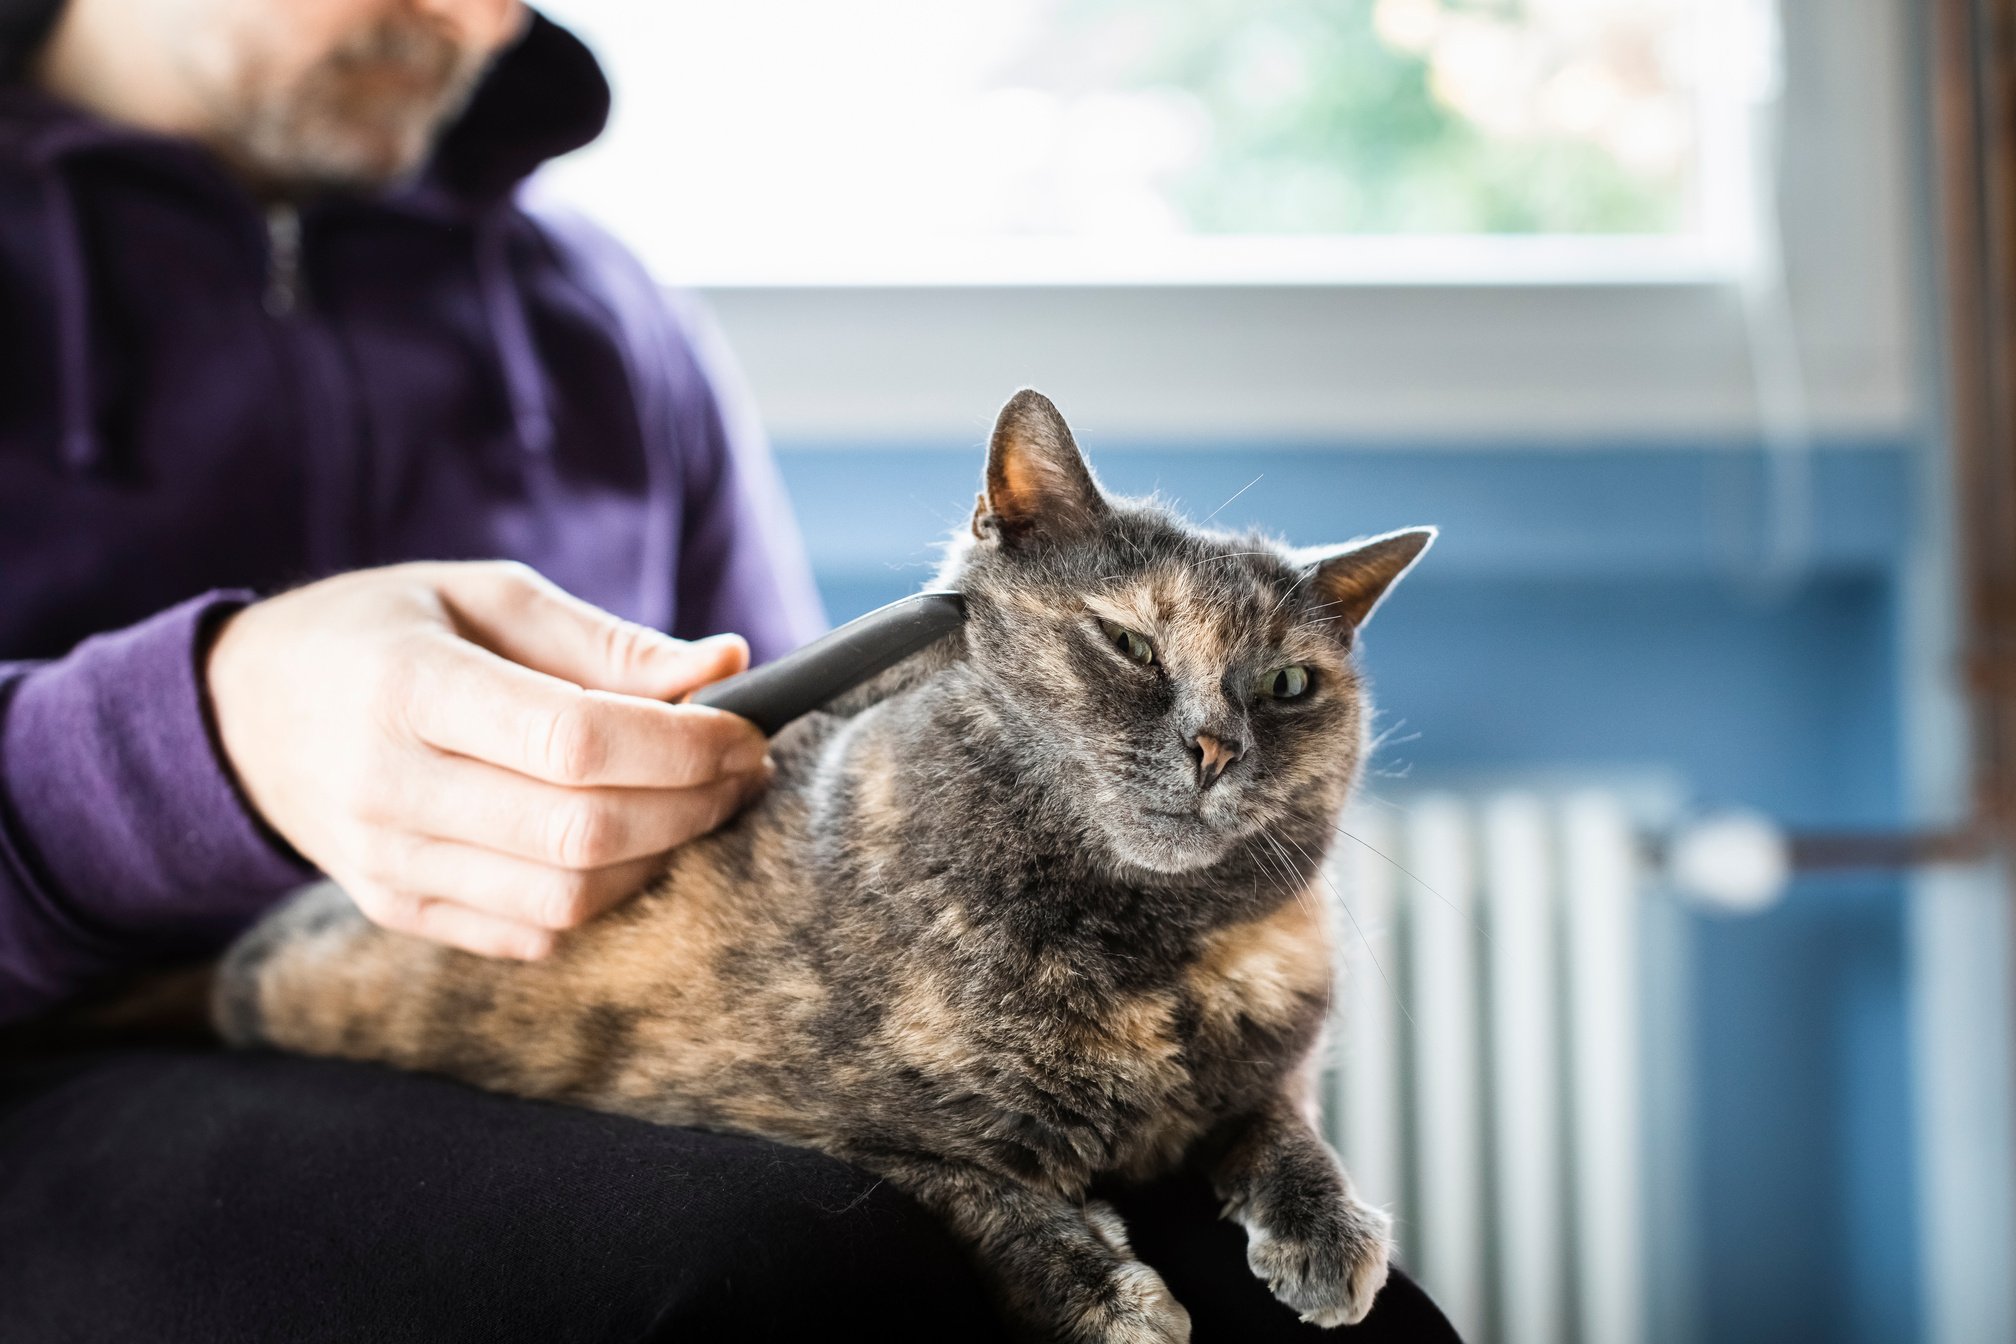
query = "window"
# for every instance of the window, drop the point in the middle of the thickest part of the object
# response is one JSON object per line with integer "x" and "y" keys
{"x": 1103, "y": 141}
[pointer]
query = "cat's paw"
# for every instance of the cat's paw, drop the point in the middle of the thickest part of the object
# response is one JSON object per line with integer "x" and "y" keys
{"x": 1133, "y": 1306}
{"x": 1330, "y": 1272}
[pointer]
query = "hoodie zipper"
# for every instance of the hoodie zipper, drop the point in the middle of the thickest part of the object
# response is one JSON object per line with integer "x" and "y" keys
{"x": 283, "y": 260}
{"x": 334, "y": 464}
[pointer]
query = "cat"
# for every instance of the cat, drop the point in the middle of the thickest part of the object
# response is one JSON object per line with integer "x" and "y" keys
{"x": 1036, "y": 906}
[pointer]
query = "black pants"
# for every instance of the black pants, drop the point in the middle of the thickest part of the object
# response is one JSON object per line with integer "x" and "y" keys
{"x": 168, "y": 1195}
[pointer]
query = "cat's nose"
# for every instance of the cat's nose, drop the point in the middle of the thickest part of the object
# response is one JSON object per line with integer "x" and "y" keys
{"x": 1212, "y": 754}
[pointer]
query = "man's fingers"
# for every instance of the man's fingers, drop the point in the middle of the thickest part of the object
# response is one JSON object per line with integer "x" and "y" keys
{"x": 484, "y": 934}
{"x": 511, "y": 888}
{"x": 468, "y": 701}
{"x": 441, "y": 921}
{"x": 579, "y": 829}
{"x": 521, "y": 616}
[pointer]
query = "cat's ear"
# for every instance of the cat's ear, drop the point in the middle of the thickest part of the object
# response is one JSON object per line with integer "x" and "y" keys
{"x": 1037, "y": 482}
{"x": 1350, "y": 580}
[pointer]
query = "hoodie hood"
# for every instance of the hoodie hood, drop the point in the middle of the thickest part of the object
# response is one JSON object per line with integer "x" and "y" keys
{"x": 24, "y": 24}
{"x": 544, "y": 96}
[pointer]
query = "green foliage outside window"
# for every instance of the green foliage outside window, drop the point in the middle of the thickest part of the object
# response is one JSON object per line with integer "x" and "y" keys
{"x": 1310, "y": 117}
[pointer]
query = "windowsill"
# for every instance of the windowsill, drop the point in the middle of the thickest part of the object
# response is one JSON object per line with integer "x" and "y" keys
{"x": 1373, "y": 261}
{"x": 1366, "y": 362}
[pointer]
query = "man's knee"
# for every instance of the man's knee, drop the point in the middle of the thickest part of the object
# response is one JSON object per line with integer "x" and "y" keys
{"x": 799, "y": 1244}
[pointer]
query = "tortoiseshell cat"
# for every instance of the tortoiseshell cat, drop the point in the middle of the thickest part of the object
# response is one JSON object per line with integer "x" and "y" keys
{"x": 1035, "y": 907}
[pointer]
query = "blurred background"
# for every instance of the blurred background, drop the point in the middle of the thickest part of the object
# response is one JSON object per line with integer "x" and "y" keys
{"x": 1680, "y": 1004}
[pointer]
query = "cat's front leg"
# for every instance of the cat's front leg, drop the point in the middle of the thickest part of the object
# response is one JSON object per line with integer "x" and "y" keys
{"x": 1064, "y": 1270}
{"x": 1309, "y": 1238}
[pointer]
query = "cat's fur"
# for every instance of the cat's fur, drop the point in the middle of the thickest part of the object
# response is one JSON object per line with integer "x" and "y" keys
{"x": 994, "y": 930}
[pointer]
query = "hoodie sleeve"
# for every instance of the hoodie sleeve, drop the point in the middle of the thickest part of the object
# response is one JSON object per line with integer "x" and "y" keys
{"x": 123, "y": 837}
{"x": 742, "y": 564}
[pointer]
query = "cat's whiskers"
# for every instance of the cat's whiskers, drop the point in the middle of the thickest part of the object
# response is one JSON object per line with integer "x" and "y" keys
{"x": 1378, "y": 744}
{"x": 1344, "y": 905}
{"x": 1283, "y": 875}
{"x": 1330, "y": 985}
{"x": 1372, "y": 796}
{"x": 1386, "y": 738}
{"x": 1299, "y": 883}
{"x": 1454, "y": 909}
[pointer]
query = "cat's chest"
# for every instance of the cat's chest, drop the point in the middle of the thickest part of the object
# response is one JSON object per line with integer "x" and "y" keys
{"x": 1064, "y": 1012}
{"x": 1058, "y": 1068}
{"x": 1271, "y": 975}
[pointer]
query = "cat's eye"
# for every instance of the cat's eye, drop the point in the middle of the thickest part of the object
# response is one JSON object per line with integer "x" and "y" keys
{"x": 1136, "y": 647}
{"x": 1283, "y": 683}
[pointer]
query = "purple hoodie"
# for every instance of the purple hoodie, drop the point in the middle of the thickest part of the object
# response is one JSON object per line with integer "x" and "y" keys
{"x": 200, "y": 402}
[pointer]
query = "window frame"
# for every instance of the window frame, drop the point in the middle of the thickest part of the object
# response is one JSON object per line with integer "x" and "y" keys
{"x": 1535, "y": 339}
{"x": 1394, "y": 358}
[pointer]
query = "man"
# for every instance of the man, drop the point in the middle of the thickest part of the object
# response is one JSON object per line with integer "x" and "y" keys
{"x": 274, "y": 321}
{"x": 242, "y": 346}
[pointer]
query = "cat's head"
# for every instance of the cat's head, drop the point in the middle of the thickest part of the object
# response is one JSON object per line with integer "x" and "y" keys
{"x": 1182, "y": 687}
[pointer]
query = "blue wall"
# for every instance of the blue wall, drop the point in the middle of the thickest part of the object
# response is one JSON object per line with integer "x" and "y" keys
{"x": 1598, "y": 607}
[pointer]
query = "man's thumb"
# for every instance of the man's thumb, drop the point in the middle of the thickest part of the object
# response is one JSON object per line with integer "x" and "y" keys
{"x": 518, "y": 615}
{"x": 706, "y": 661}
{"x": 636, "y": 660}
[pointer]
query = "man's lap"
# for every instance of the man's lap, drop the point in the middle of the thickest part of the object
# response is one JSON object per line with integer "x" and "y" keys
{"x": 167, "y": 1195}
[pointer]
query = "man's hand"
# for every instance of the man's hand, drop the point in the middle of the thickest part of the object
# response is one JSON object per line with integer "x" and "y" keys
{"x": 474, "y": 755}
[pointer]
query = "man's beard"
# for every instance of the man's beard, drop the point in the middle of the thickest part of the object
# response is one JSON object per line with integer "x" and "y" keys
{"x": 363, "y": 117}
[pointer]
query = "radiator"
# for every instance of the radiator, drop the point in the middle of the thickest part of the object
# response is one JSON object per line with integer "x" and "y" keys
{"x": 1483, "y": 1072}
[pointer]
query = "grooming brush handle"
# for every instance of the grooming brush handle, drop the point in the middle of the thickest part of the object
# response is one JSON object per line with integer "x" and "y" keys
{"x": 808, "y": 677}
